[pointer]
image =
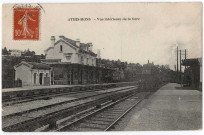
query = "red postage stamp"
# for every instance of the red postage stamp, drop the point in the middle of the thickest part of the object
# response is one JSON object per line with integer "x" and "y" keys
{"x": 26, "y": 23}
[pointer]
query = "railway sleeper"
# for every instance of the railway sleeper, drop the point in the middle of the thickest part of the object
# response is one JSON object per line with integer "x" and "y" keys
{"x": 66, "y": 127}
{"x": 98, "y": 106}
{"x": 108, "y": 115}
{"x": 83, "y": 129}
{"x": 90, "y": 125}
{"x": 97, "y": 122}
{"x": 101, "y": 119}
{"x": 75, "y": 123}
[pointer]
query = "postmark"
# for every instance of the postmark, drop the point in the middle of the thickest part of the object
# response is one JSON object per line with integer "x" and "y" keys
{"x": 26, "y": 23}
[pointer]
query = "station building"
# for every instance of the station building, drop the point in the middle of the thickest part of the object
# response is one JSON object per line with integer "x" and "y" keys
{"x": 32, "y": 73}
{"x": 194, "y": 72}
{"x": 73, "y": 62}
{"x": 70, "y": 51}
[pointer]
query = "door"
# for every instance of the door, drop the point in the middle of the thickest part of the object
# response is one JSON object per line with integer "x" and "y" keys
{"x": 34, "y": 78}
{"x": 40, "y": 78}
{"x": 72, "y": 77}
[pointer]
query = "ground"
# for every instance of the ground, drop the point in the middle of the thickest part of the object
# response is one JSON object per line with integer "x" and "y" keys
{"x": 170, "y": 108}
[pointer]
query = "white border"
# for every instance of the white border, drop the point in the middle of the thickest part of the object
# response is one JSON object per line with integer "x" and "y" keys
{"x": 199, "y": 132}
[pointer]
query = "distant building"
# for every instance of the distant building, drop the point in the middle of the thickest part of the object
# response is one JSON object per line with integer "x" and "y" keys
{"x": 147, "y": 68}
{"x": 66, "y": 50}
{"x": 32, "y": 73}
{"x": 16, "y": 53}
{"x": 195, "y": 69}
{"x": 201, "y": 71}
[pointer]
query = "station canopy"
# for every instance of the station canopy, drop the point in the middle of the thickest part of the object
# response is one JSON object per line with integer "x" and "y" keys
{"x": 190, "y": 62}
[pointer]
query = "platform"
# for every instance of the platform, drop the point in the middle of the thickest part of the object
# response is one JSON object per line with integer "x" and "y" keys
{"x": 24, "y": 88}
{"x": 172, "y": 107}
{"x": 30, "y": 90}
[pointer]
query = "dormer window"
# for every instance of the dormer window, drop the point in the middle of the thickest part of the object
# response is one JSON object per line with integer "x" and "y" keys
{"x": 68, "y": 57}
{"x": 61, "y": 48}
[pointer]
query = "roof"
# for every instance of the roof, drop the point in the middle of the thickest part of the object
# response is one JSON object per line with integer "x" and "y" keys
{"x": 88, "y": 52}
{"x": 39, "y": 65}
{"x": 34, "y": 65}
{"x": 48, "y": 48}
{"x": 15, "y": 50}
{"x": 190, "y": 62}
{"x": 73, "y": 43}
{"x": 60, "y": 64}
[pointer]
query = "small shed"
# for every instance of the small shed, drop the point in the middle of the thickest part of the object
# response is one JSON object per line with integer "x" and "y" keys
{"x": 33, "y": 73}
{"x": 194, "y": 66}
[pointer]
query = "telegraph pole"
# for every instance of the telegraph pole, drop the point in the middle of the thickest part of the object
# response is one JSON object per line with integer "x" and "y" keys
{"x": 185, "y": 58}
{"x": 177, "y": 58}
{"x": 180, "y": 69}
{"x": 179, "y": 73}
{"x": 180, "y": 61}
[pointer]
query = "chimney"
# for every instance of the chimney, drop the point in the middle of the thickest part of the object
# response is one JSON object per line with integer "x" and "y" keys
{"x": 52, "y": 41}
{"x": 78, "y": 42}
{"x": 90, "y": 46}
{"x": 98, "y": 53}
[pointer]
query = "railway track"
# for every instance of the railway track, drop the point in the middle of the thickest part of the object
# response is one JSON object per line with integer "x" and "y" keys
{"x": 102, "y": 119}
{"x": 22, "y": 97}
{"x": 43, "y": 96}
{"x": 30, "y": 120}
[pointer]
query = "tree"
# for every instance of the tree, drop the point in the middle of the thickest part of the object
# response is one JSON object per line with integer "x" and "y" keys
{"x": 5, "y": 51}
{"x": 28, "y": 53}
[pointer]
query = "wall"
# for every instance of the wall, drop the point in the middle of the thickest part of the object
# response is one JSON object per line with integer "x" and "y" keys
{"x": 49, "y": 54}
{"x": 33, "y": 71}
{"x": 60, "y": 75}
{"x": 90, "y": 58}
{"x": 23, "y": 73}
{"x": 26, "y": 74}
{"x": 79, "y": 74}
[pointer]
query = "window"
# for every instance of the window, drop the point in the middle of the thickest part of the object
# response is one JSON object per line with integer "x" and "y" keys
{"x": 68, "y": 57}
{"x": 58, "y": 77}
{"x": 87, "y": 61}
{"x": 35, "y": 74}
{"x": 61, "y": 48}
{"x": 61, "y": 75}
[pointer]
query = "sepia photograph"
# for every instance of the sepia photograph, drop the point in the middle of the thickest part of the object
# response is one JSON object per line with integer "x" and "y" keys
{"x": 95, "y": 67}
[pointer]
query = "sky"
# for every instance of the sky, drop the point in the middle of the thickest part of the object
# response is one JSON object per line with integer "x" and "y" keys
{"x": 155, "y": 36}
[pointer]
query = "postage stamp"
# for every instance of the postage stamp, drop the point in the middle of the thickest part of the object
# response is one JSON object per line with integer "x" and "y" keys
{"x": 26, "y": 23}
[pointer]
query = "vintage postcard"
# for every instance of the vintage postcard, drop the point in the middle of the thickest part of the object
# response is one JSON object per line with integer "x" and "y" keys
{"x": 78, "y": 67}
